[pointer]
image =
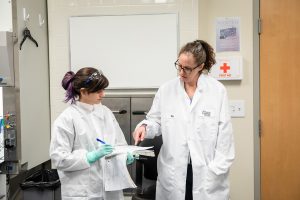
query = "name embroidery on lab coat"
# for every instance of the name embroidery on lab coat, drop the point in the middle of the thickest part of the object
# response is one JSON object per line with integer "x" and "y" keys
{"x": 206, "y": 113}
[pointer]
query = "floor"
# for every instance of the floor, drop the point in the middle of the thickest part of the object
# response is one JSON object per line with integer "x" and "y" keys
{"x": 127, "y": 198}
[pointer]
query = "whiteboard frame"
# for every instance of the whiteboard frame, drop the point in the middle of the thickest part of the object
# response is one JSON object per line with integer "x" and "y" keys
{"x": 132, "y": 86}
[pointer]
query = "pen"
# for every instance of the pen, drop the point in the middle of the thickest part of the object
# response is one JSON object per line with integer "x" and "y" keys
{"x": 101, "y": 141}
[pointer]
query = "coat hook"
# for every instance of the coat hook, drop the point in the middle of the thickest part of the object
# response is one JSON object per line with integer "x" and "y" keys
{"x": 25, "y": 15}
{"x": 41, "y": 20}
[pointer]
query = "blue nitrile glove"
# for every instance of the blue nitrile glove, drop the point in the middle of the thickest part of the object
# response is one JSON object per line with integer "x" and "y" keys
{"x": 130, "y": 158}
{"x": 93, "y": 156}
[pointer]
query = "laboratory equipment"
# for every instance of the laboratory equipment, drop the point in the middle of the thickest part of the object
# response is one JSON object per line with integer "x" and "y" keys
{"x": 9, "y": 145}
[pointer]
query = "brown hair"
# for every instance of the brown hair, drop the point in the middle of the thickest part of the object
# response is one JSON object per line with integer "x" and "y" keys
{"x": 88, "y": 78}
{"x": 202, "y": 52}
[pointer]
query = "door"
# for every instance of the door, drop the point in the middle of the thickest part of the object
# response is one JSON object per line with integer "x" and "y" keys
{"x": 121, "y": 109}
{"x": 280, "y": 99}
{"x": 140, "y": 106}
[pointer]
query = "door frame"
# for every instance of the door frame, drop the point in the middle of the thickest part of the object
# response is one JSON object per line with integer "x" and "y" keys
{"x": 256, "y": 99}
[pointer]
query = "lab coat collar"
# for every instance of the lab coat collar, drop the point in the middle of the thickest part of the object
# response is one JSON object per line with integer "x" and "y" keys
{"x": 201, "y": 83}
{"x": 201, "y": 86}
{"x": 96, "y": 109}
{"x": 99, "y": 110}
{"x": 86, "y": 107}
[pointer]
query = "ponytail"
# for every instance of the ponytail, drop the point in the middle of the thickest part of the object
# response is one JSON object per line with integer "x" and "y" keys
{"x": 67, "y": 84}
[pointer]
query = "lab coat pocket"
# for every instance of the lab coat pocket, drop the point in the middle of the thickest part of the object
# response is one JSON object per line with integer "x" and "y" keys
{"x": 168, "y": 122}
{"x": 207, "y": 126}
{"x": 166, "y": 176}
{"x": 216, "y": 184}
{"x": 74, "y": 191}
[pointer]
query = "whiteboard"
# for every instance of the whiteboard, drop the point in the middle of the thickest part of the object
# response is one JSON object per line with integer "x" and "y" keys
{"x": 133, "y": 51}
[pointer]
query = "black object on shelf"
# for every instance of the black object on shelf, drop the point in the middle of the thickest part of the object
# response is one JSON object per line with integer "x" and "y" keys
{"x": 43, "y": 184}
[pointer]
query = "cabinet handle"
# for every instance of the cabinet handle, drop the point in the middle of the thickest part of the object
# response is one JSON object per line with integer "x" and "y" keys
{"x": 119, "y": 112}
{"x": 139, "y": 112}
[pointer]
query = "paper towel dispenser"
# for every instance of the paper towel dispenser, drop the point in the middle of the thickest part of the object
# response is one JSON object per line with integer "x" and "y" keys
{"x": 6, "y": 59}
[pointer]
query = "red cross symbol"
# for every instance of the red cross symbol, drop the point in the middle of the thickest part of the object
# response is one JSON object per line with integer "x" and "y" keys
{"x": 224, "y": 67}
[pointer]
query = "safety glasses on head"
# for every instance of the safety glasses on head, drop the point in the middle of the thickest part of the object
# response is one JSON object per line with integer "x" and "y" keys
{"x": 93, "y": 76}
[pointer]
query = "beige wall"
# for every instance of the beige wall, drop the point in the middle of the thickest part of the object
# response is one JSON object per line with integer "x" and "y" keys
{"x": 242, "y": 173}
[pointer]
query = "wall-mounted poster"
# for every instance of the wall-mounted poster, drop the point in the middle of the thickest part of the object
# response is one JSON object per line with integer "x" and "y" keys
{"x": 228, "y": 34}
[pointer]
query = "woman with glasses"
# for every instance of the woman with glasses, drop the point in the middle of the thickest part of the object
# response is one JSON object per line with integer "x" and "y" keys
{"x": 191, "y": 113}
{"x": 82, "y": 135}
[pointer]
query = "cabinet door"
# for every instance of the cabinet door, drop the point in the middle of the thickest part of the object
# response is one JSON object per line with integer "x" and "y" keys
{"x": 139, "y": 109}
{"x": 121, "y": 109}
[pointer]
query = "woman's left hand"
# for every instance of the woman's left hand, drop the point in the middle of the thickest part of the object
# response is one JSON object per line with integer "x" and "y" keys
{"x": 130, "y": 158}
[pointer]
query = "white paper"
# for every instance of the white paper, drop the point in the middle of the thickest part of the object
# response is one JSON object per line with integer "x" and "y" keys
{"x": 130, "y": 149}
{"x": 116, "y": 176}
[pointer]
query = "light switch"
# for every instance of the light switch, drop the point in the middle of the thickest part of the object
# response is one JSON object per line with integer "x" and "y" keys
{"x": 237, "y": 108}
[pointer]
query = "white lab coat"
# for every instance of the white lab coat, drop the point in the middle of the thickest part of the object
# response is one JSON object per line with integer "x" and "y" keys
{"x": 74, "y": 134}
{"x": 202, "y": 129}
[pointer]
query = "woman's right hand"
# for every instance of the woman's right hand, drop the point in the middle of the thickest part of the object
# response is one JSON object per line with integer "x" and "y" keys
{"x": 139, "y": 134}
{"x": 103, "y": 150}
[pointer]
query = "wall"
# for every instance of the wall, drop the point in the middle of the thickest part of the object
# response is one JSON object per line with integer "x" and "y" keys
{"x": 242, "y": 172}
{"x": 60, "y": 11}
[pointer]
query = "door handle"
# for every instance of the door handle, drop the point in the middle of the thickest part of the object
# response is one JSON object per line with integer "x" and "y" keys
{"x": 139, "y": 112}
{"x": 119, "y": 112}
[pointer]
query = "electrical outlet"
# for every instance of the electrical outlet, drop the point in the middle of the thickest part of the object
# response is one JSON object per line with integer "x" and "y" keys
{"x": 237, "y": 108}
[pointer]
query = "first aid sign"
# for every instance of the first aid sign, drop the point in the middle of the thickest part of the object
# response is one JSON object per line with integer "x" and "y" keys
{"x": 228, "y": 68}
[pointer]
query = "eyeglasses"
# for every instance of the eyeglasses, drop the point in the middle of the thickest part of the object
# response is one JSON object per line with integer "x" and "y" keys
{"x": 186, "y": 69}
{"x": 93, "y": 76}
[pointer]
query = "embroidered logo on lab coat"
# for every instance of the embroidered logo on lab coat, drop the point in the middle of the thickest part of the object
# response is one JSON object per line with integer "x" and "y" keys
{"x": 206, "y": 113}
